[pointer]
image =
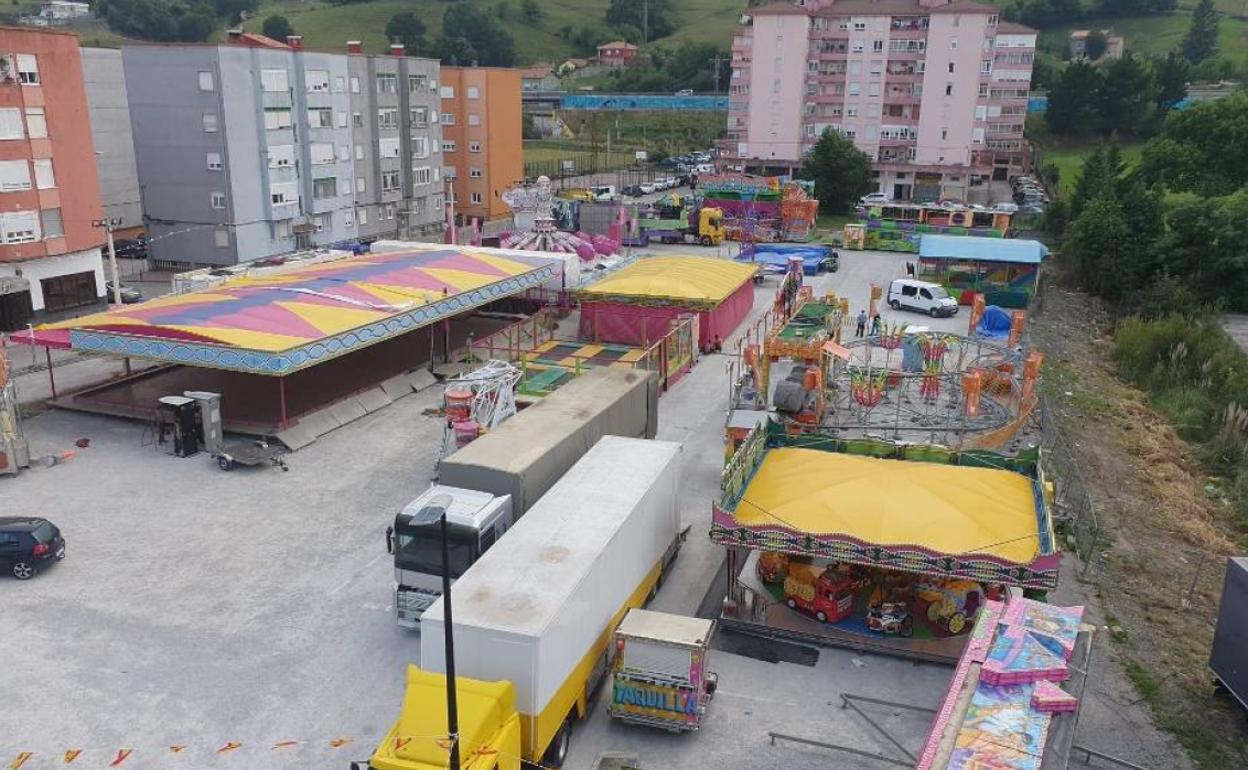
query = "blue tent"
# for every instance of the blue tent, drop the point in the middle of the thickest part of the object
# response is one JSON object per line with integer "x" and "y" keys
{"x": 994, "y": 324}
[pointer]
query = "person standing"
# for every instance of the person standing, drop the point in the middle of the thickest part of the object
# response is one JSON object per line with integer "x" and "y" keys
{"x": 910, "y": 268}
{"x": 875, "y": 325}
{"x": 862, "y": 323}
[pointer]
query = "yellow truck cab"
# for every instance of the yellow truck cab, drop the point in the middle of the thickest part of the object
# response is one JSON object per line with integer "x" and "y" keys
{"x": 489, "y": 727}
{"x": 710, "y": 225}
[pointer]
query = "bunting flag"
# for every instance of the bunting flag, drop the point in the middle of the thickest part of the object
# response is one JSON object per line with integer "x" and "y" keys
{"x": 122, "y": 756}
{"x": 338, "y": 743}
{"x": 229, "y": 746}
{"x": 71, "y": 755}
{"x": 176, "y": 749}
{"x": 20, "y": 760}
{"x": 285, "y": 745}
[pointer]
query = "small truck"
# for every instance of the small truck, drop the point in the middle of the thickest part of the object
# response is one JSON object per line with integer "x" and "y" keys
{"x": 659, "y": 676}
{"x": 704, "y": 225}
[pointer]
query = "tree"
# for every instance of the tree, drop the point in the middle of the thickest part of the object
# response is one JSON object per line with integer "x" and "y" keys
{"x": 487, "y": 39}
{"x": 196, "y": 26}
{"x": 277, "y": 27}
{"x": 1096, "y": 45}
{"x": 1203, "y": 149}
{"x": 1102, "y": 248}
{"x": 407, "y": 29}
{"x": 1125, "y": 98}
{"x": 1202, "y": 36}
{"x": 502, "y": 9}
{"x": 1072, "y": 109}
{"x": 531, "y": 11}
{"x": 455, "y": 51}
{"x": 841, "y": 172}
{"x": 1170, "y": 77}
{"x": 655, "y": 18}
{"x": 1100, "y": 177}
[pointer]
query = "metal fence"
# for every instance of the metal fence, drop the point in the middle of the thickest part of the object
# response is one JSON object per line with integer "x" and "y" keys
{"x": 1074, "y": 513}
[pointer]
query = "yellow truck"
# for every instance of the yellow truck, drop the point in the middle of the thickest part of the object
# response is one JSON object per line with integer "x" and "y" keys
{"x": 534, "y": 616}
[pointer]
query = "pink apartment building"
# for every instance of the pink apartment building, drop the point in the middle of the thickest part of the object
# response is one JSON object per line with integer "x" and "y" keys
{"x": 934, "y": 90}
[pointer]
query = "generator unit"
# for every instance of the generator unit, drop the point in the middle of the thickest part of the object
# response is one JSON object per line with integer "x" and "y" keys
{"x": 1229, "y": 658}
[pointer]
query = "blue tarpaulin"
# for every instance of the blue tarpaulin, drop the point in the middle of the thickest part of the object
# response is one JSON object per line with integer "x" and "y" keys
{"x": 963, "y": 247}
{"x": 994, "y": 324}
{"x": 775, "y": 257}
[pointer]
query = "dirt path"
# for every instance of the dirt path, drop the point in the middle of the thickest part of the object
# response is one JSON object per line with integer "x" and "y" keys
{"x": 1159, "y": 575}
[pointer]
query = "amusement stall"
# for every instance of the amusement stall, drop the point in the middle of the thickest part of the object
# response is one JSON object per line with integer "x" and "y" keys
{"x": 891, "y": 547}
{"x": 1006, "y": 272}
{"x": 640, "y": 302}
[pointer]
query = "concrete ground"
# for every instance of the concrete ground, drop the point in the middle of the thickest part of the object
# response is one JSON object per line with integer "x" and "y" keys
{"x": 197, "y": 607}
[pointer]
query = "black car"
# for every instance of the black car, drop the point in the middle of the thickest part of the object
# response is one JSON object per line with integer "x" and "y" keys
{"x": 29, "y": 544}
{"x": 633, "y": 191}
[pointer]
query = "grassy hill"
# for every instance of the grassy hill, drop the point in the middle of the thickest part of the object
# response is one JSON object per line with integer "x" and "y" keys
{"x": 328, "y": 27}
{"x": 1159, "y": 34}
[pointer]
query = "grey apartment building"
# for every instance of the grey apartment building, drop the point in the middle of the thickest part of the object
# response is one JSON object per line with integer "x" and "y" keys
{"x": 255, "y": 148}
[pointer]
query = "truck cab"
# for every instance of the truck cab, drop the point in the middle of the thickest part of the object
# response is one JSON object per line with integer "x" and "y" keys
{"x": 475, "y": 521}
{"x": 710, "y": 226}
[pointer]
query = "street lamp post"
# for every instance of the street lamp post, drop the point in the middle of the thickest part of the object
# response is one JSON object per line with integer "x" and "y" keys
{"x": 108, "y": 225}
{"x": 436, "y": 510}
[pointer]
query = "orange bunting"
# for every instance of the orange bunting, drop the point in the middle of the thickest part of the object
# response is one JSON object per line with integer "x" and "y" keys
{"x": 122, "y": 756}
{"x": 338, "y": 743}
{"x": 71, "y": 755}
{"x": 229, "y": 746}
{"x": 444, "y": 743}
{"x": 20, "y": 760}
{"x": 284, "y": 745}
{"x": 176, "y": 749}
{"x": 399, "y": 743}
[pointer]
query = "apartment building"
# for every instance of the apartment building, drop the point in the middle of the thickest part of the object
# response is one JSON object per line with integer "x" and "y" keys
{"x": 255, "y": 148}
{"x": 50, "y": 257}
{"x": 482, "y": 148}
{"x": 935, "y": 91}
{"x": 105, "y": 83}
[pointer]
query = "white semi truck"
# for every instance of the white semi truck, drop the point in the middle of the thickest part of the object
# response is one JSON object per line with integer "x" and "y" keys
{"x": 491, "y": 482}
{"x": 533, "y": 620}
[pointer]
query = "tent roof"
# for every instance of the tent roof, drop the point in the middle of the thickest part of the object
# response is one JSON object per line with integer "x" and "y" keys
{"x": 691, "y": 279}
{"x": 983, "y": 249}
{"x": 945, "y": 509}
{"x": 287, "y": 320}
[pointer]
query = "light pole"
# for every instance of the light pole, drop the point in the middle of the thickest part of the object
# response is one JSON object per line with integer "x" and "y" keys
{"x": 435, "y": 510}
{"x": 108, "y": 225}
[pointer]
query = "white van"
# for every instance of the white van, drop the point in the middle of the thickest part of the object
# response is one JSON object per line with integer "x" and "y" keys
{"x": 603, "y": 193}
{"x": 925, "y": 297}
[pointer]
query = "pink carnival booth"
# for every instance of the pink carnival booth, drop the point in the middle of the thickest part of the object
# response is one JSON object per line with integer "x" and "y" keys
{"x": 639, "y": 303}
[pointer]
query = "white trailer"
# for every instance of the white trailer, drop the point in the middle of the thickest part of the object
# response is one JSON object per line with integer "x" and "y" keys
{"x": 540, "y": 610}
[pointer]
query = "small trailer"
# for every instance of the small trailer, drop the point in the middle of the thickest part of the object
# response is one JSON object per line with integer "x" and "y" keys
{"x": 659, "y": 674}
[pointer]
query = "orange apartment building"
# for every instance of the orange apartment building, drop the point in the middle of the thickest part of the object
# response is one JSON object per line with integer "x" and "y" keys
{"x": 482, "y": 150}
{"x": 50, "y": 256}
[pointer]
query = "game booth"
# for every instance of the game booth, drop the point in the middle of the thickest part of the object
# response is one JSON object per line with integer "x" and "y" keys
{"x": 641, "y": 302}
{"x": 1005, "y": 271}
{"x": 894, "y": 548}
{"x": 900, "y": 226}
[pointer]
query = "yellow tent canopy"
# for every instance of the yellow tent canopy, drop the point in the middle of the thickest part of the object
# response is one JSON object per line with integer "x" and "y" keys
{"x": 675, "y": 278}
{"x": 945, "y": 509}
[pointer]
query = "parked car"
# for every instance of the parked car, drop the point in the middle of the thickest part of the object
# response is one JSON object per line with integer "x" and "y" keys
{"x": 603, "y": 193}
{"x": 685, "y": 92}
{"x": 647, "y": 187}
{"x": 632, "y": 191}
{"x": 135, "y": 248}
{"x": 28, "y": 545}
{"x": 874, "y": 198}
{"x": 925, "y": 297}
{"x": 129, "y": 294}
{"x": 1008, "y": 208}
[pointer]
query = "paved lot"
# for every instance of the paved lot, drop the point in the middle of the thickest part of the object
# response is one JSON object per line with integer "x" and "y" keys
{"x": 197, "y": 607}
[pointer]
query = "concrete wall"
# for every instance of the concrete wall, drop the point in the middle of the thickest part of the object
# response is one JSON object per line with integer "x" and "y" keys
{"x": 946, "y": 122}
{"x": 51, "y": 267}
{"x": 777, "y": 86}
{"x": 105, "y": 83}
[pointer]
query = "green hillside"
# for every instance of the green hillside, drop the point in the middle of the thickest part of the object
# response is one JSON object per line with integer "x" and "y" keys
{"x": 1160, "y": 34}
{"x": 328, "y": 27}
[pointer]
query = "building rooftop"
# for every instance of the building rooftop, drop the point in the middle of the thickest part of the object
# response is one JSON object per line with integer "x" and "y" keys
{"x": 618, "y": 44}
{"x": 1014, "y": 28}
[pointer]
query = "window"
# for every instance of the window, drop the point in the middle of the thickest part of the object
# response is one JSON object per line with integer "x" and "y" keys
{"x": 981, "y": 112}
{"x": 448, "y": 172}
{"x": 210, "y": 122}
{"x": 420, "y": 147}
{"x": 320, "y": 117}
{"x": 361, "y": 215}
{"x": 344, "y": 152}
{"x": 417, "y": 84}
{"x": 855, "y": 89}
{"x": 340, "y": 119}
{"x": 474, "y": 147}
{"x": 19, "y": 227}
{"x": 282, "y": 229}
{"x": 950, "y": 68}
{"x": 14, "y": 175}
{"x": 317, "y": 81}
{"x": 857, "y": 46}
{"x": 474, "y": 172}
{"x": 340, "y": 83}
{"x": 387, "y": 211}
{"x": 361, "y": 184}
{"x": 448, "y": 145}
{"x": 474, "y": 119}
{"x": 218, "y": 200}
{"x": 387, "y": 83}
{"x": 948, "y": 89}
{"x": 274, "y": 81}
{"x": 851, "y": 112}
{"x": 359, "y": 152}
{"x": 985, "y": 66}
{"x": 325, "y": 188}
{"x": 423, "y": 175}
{"x": 992, "y": 21}
{"x": 447, "y": 92}
{"x": 944, "y": 133}
{"x": 355, "y": 85}
{"x": 281, "y": 155}
{"x": 978, "y": 135}
{"x": 860, "y": 26}
{"x": 284, "y": 193}
{"x": 357, "y": 120}
{"x": 27, "y": 69}
{"x": 877, "y": 67}
{"x": 205, "y": 81}
{"x": 214, "y": 161}
{"x": 473, "y": 93}
{"x": 322, "y": 154}
{"x": 275, "y": 119}
{"x": 36, "y": 123}
{"x": 44, "y": 178}
{"x": 11, "y": 123}
{"x": 983, "y": 90}
{"x": 388, "y": 117}
{"x": 475, "y": 198}
{"x": 877, "y": 46}
{"x": 221, "y": 237}
{"x": 433, "y": 117}
{"x": 347, "y": 220}
{"x": 388, "y": 147}
{"x": 953, "y": 42}
{"x": 389, "y": 181}
{"x": 420, "y": 116}
{"x": 53, "y": 226}
{"x": 448, "y": 118}
{"x": 855, "y": 68}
